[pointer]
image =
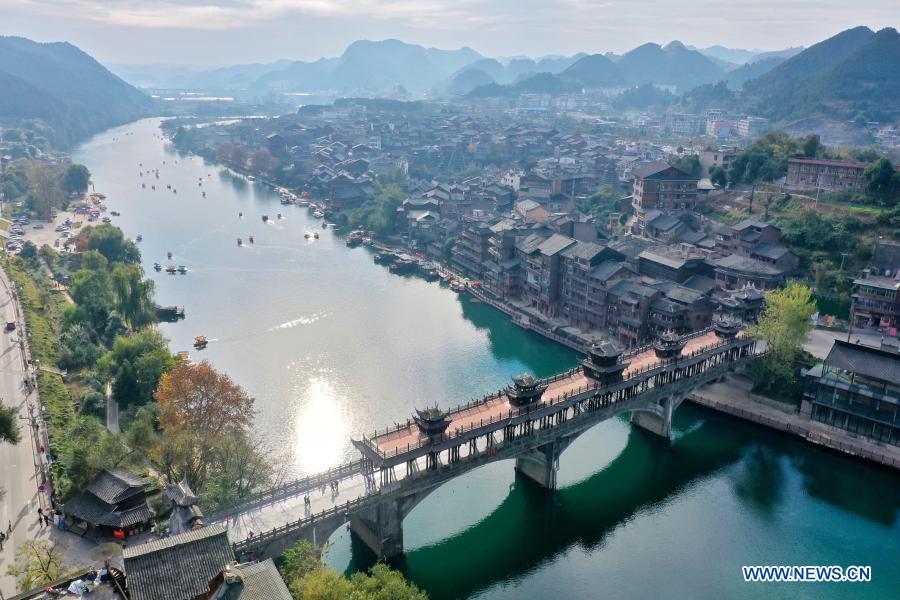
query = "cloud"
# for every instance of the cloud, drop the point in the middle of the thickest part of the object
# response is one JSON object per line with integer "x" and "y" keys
{"x": 234, "y": 14}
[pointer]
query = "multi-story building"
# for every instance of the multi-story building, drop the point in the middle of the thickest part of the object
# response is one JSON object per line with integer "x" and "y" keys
{"x": 834, "y": 175}
{"x": 857, "y": 389}
{"x": 470, "y": 254}
{"x": 579, "y": 261}
{"x": 752, "y": 127}
{"x": 876, "y": 295}
{"x": 543, "y": 269}
{"x": 662, "y": 187}
{"x": 675, "y": 263}
{"x": 717, "y": 158}
{"x": 628, "y": 311}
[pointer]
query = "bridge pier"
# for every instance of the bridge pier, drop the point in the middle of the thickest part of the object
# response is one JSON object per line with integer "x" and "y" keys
{"x": 658, "y": 423}
{"x": 541, "y": 464}
{"x": 380, "y": 529}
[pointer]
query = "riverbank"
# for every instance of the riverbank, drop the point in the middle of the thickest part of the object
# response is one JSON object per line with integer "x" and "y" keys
{"x": 733, "y": 397}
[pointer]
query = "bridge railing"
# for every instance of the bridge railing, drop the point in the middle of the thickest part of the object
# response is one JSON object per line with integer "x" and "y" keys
{"x": 266, "y": 537}
{"x": 292, "y": 488}
{"x": 634, "y": 377}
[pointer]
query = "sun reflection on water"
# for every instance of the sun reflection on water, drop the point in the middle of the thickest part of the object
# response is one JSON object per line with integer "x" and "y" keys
{"x": 320, "y": 427}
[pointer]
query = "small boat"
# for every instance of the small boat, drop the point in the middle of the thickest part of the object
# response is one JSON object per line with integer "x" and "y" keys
{"x": 353, "y": 241}
{"x": 115, "y": 213}
{"x": 307, "y": 235}
{"x": 200, "y": 342}
{"x": 168, "y": 186}
{"x": 279, "y": 216}
{"x": 139, "y": 238}
{"x": 316, "y": 234}
{"x": 204, "y": 194}
{"x": 384, "y": 258}
{"x": 169, "y": 255}
{"x": 182, "y": 269}
{"x": 265, "y": 218}
{"x": 250, "y": 239}
{"x": 144, "y": 186}
{"x": 240, "y": 215}
{"x": 157, "y": 267}
{"x": 402, "y": 265}
{"x": 106, "y": 220}
{"x": 171, "y": 270}
{"x": 324, "y": 225}
{"x": 153, "y": 187}
{"x": 240, "y": 242}
{"x": 318, "y": 214}
{"x": 169, "y": 313}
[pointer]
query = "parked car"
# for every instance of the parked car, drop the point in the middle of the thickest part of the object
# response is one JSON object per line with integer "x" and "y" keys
{"x": 61, "y": 228}
{"x": 37, "y": 226}
{"x": 10, "y": 325}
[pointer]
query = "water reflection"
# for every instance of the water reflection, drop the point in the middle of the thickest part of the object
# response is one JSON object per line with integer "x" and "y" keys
{"x": 320, "y": 427}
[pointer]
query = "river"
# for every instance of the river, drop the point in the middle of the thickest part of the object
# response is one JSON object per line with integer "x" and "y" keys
{"x": 332, "y": 345}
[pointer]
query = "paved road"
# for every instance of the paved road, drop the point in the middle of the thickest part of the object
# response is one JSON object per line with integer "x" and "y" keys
{"x": 21, "y": 501}
{"x": 819, "y": 341}
{"x": 18, "y": 464}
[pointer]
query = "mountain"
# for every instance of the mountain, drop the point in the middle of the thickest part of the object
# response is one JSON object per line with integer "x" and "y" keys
{"x": 853, "y": 73}
{"x": 673, "y": 64}
{"x": 58, "y": 83}
{"x": 751, "y": 70}
{"x": 786, "y": 53}
{"x": 737, "y": 56}
{"x": 371, "y": 67}
{"x": 469, "y": 79}
{"x": 233, "y": 77}
{"x": 594, "y": 71}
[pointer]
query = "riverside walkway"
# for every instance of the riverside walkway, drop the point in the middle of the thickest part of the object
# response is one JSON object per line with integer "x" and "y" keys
{"x": 531, "y": 421}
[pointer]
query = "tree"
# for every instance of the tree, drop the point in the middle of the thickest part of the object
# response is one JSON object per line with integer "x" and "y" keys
{"x": 783, "y": 326}
{"x": 136, "y": 363}
{"x": 77, "y": 349}
{"x": 109, "y": 241}
{"x": 881, "y": 180}
{"x": 9, "y": 428}
{"x": 93, "y": 295}
{"x": 812, "y": 147}
{"x": 263, "y": 161}
{"x": 134, "y": 295}
{"x": 37, "y": 563}
{"x": 45, "y": 192}
{"x": 29, "y": 250}
{"x": 601, "y": 203}
{"x": 205, "y": 418}
{"x": 76, "y": 179}
{"x": 718, "y": 176}
{"x": 93, "y": 260}
{"x": 89, "y": 449}
{"x": 689, "y": 164}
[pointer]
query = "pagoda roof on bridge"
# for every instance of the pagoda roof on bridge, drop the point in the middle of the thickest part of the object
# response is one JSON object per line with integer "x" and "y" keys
{"x": 498, "y": 407}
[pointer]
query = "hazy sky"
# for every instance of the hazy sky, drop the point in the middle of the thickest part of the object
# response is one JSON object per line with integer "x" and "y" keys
{"x": 208, "y": 32}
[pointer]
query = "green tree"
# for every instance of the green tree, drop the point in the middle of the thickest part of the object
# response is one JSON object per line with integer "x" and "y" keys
{"x": 89, "y": 448}
{"x": 134, "y": 295}
{"x": 109, "y": 241}
{"x": 783, "y": 326}
{"x": 93, "y": 260}
{"x": 881, "y": 180}
{"x": 689, "y": 164}
{"x": 93, "y": 295}
{"x": 136, "y": 363}
{"x": 29, "y": 250}
{"x": 37, "y": 563}
{"x": 601, "y": 203}
{"x": 9, "y": 426}
{"x": 45, "y": 193}
{"x": 76, "y": 179}
{"x": 77, "y": 349}
{"x": 718, "y": 176}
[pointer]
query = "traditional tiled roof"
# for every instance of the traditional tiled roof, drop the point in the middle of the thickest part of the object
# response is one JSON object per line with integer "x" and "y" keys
{"x": 743, "y": 264}
{"x": 259, "y": 581}
{"x": 554, "y": 244}
{"x": 179, "y": 567}
{"x": 89, "y": 508}
{"x": 882, "y": 365}
{"x": 114, "y": 486}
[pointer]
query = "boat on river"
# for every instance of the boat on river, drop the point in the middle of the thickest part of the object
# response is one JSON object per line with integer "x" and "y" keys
{"x": 265, "y": 218}
{"x": 171, "y": 269}
{"x": 200, "y": 342}
{"x": 139, "y": 238}
{"x": 157, "y": 267}
{"x": 403, "y": 265}
{"x": 240, "y": 242}
{"x": 169, "y": 313}
{"x": 182, "y": 269}
{"x": 318, "y": 214}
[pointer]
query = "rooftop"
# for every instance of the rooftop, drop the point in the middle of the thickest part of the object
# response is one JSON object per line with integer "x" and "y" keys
{"x": 878, "y": 364}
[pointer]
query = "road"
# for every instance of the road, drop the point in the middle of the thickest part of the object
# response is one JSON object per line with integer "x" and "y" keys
{"x": 18, "y": 475}
{"x": 20, "y": 503}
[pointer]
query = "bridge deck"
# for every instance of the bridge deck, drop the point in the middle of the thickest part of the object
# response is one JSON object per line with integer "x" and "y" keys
{"x": 496, "y": 407}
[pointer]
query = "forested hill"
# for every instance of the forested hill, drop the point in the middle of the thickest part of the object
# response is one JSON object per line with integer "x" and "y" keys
{"x": 64, "y": 87}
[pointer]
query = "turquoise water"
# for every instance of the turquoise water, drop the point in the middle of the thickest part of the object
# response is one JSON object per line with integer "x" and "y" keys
{"x": 332, "y": 346}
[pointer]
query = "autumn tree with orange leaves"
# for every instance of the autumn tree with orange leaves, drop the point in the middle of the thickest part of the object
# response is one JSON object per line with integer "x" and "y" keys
{"x": 205, "y": 420}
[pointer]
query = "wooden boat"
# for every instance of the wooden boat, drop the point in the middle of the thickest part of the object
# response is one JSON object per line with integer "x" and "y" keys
{"x": 171, "y": 270}
{"x": 384, "y": 258}
{"x": 250, "y": 239}
{"x": 265, "y": 218}
{"x": 139, "y": 238}
{"x": 182, "y": 269}
{"x": 200, "y": 342}
{"x": 169, "y": 255}
{"x": 402, "y": 265}
{"x": 240, "y": 242}
{"x": 169, "y": 313}
{"x": 157, "y": 267}
{"x": 316, "y": 234}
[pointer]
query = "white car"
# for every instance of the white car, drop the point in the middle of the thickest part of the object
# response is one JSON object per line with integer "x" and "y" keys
{"x": 61, "y": 228}
{"x": 37, "y": 226}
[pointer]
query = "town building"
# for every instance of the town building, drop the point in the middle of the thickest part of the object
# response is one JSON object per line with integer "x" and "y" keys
{"x": 114, "y": 504}
{"x": 752, "y": 127}
{"x": 833, "y": 175}
{"x": 660, "y": 186}
{"x": 856, "y": 389}
{"x": 875, "y": 297}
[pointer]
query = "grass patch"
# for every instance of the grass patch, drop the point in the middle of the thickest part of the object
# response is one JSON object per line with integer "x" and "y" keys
{"x": 5, "y": 224}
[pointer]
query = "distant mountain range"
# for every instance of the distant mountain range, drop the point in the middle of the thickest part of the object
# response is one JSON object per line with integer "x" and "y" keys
{"x": 64, "y": 87}
{"x": 853, "y": 74}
